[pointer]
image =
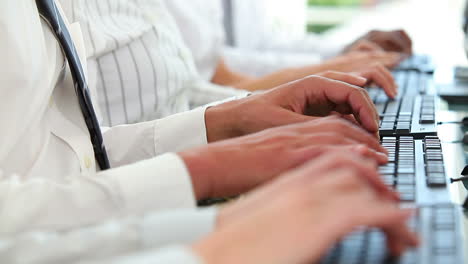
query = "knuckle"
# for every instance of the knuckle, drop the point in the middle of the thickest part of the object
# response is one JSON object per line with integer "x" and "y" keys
{"x": 283, "y": 135}
{"x": 349, "y": 179}
{"x": 332, "y": 137}
{"x": 332, "y": 119}
{"x": 341, "y": 159}
{"x": 338, "y": 125}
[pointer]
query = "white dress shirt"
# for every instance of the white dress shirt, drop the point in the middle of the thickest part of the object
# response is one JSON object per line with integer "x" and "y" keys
{"x": 138, "y": 61}
{"x": 262, "y": 45}
{"x": 49, "y": 180}
{"x": 154, "y": 238}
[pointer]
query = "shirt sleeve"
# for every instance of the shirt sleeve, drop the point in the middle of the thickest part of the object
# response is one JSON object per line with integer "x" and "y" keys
{"x": 173, "y": 255}
{"x": 154, "y": 238}
{"x": 258, "y": 63}
{"x": 156, "y": 184}
{"x": 127, "y": 144}
{"x": 204, "y": 92}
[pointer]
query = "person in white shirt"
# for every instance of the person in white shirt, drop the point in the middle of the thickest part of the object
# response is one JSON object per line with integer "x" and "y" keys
{"x": 201, "y": 24}
{"x": 47, "y": 157}
{"x": 50, "y": 182}
{"x": 254, "y": 230}
{"x": 139, "y": 62}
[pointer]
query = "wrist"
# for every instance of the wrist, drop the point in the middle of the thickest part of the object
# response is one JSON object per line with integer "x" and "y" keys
{"x": 198, "y": 163}
{"x": 220, "y": 122}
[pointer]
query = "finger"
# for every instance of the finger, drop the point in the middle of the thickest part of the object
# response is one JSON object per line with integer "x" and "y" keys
{"x": 392, "y": 220}
{"x": 345, "y": 77}
{"x": 372, "y": 105}
{"x": 364, "y": 168}
{"x": 309, "y": 152}
{"x": 345, "y": 129}
{"x": 340, "y": 93}
{"x": 367, "y": 152}
{"x": 388, "y": 59}
{"x": 348, "y": 108}
{"x": 382, "y": 78}
{"x": 399, "y": 237}
{"x": 389, "y": 77}
{"x": 365, "y": 45}
{"x": 349, "y": 118}
{"x": 323, "y": 139}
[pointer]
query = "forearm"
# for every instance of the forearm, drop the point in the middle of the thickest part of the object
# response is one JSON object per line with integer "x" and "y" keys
{"x": 279, "y": 78}
{"x": 225, "y": 76}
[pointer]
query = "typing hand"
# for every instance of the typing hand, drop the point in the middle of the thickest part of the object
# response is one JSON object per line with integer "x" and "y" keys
{"x": 235, "y": 166}
{"x": 371, "y": 65}
{"x": 375, "y": 73}
{"x": 396, "y": 40}
{"x": 300, "y": 101}
{"x": 298, "y": 217}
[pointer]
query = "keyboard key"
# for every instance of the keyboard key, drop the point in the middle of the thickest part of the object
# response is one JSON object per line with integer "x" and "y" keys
{"x": 392, "y": 107}
{"x": 406, "y": 180}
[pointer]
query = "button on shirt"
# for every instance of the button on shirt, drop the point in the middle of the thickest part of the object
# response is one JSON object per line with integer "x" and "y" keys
{"x": 138, "y": 61}
{"x": 48, "y": 181}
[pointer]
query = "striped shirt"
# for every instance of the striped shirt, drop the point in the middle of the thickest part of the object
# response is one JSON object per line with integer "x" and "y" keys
{"x": 138, "y": 62}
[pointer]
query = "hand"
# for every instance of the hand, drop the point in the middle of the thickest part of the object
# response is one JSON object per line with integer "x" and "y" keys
{"x": 294, "y": 102}
{"x": 360, "y": 60}
{"x": 370, "y": 65}
{"x": 238, "y": 165}
{"x": 375, "y": 73}
{"x": 397, "y": 41}
{"x": 299, "y": 216}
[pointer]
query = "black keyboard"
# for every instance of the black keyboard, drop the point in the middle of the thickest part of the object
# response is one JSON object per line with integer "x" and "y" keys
{"x": 400, "y": 172}
{"x": 412, "y": 112}
{"x": 421, "y": 63}
{"x": 437, "y": 225}
{"x": 434, "y": 162}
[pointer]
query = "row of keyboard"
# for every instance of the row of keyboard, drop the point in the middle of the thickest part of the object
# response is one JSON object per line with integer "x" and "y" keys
{"x": 437, "y": 225}
{"x": 416, "y": 170}
{"x": 400, "y": 171}
{"x": 412, "y": 112}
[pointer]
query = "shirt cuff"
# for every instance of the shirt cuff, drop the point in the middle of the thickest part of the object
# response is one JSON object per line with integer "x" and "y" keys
{"x": 156, "y": 184}
{"x": 180, "y": 131}
{"x": 202, "y": 223}
{"x": 166, "y": 255}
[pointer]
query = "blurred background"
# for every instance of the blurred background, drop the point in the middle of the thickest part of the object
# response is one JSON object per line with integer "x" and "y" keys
{"x": 434, "y": 25}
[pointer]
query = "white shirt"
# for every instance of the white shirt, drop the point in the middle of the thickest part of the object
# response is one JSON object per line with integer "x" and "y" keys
{"x": 138, "y": 61}
{"x": 261, "y": 48}
{"x": 154, "y": 238}
{"x": 49, "y": 180}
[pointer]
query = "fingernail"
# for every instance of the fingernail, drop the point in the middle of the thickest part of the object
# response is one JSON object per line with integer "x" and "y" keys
{"x": 364, "y": 80}
{"x": 382, "y": 158}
